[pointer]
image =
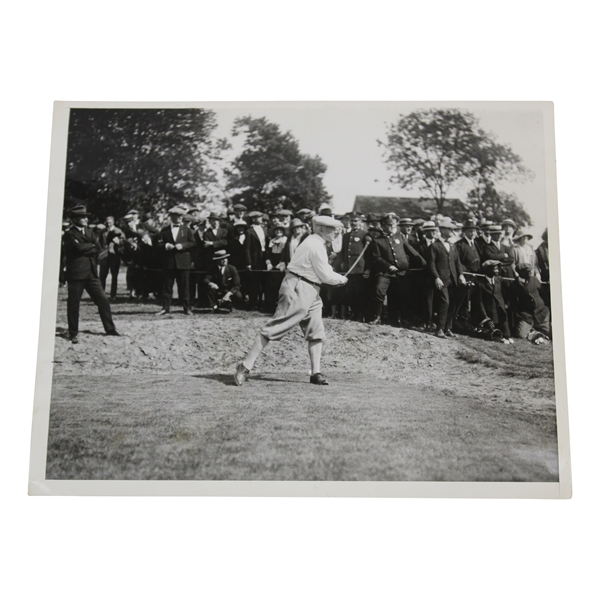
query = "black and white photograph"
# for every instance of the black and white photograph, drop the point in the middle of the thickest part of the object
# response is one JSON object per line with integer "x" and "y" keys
{"x": 305, "y": 294}
{"x": 146, "y": 452}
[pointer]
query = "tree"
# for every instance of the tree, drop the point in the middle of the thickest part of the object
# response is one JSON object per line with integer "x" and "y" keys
{"x": 118, "y": 159}
{"x": 431, "y": 150}
{"x": 492, "y": 205}
{"x": 271, "y": 170}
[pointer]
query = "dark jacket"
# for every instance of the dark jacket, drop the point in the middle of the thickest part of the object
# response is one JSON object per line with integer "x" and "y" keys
{"x": 442, "y": 264}
{"x": 488, "y": 301}
{"x": 543, "y": 260}
{"x": 469, "y": 255}
{"x": 254, "y": 256}
{"x": 218, "y": 239}
{"x": 81, "y": 254}
{"x": 395, "y": 251}
{"x": 504, "y": 254}
{"x": 176, "y": 259}
{"x": 229, "y": 282}
{"x": 352, "y": 245}
{"x": 526, "y": 301}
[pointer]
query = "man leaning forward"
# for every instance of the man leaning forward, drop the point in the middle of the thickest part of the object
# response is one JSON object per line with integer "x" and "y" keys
{"x": 299, "y": 299}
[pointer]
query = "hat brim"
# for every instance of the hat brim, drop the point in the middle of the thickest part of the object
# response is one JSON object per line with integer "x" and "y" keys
{"x": 220, "y": 257}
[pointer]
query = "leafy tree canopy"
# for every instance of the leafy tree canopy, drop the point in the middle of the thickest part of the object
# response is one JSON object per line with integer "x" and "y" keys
{"x": 430, "y": 150}
{"x": 492, "y": 205}
{"x": 118, "y": 159}
{"x": 271, "y": 171}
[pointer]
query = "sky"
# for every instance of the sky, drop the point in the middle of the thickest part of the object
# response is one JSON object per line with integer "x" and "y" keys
{"x": 344, "y": 135}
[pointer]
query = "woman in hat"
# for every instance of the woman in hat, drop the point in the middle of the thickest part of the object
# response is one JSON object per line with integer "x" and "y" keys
{"x": 524, "y": 254}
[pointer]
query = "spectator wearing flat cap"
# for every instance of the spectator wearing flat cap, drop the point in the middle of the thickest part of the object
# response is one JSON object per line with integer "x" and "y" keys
{"x": 222, "y": 285}
{"x": 305, "y": 214}
{"x": 176, "y": 243}
{"x": 405, "y": 226}
{"x": 298, "y": 231}
{"x": 112, "y": 240}
{"x": 255, "y": 258}
{"x": 483, "y": 237}
{"x": 392, "y": 257}
{"x": 215, "y": 236}
{"x": 446, "y": 274}
{"x": 81, "y": 254}
{"x": 299, "y": 300}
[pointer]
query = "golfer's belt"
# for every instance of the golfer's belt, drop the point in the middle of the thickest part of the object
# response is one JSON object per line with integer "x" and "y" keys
{"x": 317, "y": 285}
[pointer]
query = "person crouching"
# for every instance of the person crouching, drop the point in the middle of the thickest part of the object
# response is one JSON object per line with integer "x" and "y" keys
{"x": 222, "y": 286}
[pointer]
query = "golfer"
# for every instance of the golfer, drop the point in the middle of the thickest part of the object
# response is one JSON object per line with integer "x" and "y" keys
{"x": 299, "y": 299}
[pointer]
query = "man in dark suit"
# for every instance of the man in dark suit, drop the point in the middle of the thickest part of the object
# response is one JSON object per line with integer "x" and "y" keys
{"x": 81, "y": 252}
{"x": 470, "y": 259}
{"x": 176, "y": 241}
{"x": 112, "y": 243}
{"x": 222, "y": 285}
{"x": 446, "y": 274}
{"x": 493, "y": 249}
{"x": 392, "y": 256}
{"x": 255, "y": 257}
{"x": 215, "y": 236}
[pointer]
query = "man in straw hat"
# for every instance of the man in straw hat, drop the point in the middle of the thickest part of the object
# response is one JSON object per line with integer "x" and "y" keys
{"x": 81, "y": 252}
{"x": 299, "y": 299}
{"x": 222, "y": 284}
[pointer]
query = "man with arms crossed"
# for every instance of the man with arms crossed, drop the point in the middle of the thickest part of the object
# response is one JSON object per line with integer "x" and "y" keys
{"x": 299, "y": 299}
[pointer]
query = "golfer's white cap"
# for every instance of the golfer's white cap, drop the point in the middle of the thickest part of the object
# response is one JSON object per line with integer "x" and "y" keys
{"x": 326, "y": 221}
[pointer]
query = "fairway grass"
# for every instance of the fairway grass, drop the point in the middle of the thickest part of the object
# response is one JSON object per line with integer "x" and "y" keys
{"x": 279, "y": 427}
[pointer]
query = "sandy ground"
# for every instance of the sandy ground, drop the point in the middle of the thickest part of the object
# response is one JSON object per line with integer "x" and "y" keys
{"x": 458, "y": 409}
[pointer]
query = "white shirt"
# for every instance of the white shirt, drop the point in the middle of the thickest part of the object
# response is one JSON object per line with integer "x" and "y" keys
{"x": 175, "y": 231}
{"x": 311, "y": 262}
{"x": 261, "y": 236}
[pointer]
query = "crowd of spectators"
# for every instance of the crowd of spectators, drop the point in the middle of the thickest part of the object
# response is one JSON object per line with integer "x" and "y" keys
{"x": 479, "y": 278}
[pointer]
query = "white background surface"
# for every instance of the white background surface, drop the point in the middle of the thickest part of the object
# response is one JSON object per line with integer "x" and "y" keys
{"x": 179, "y": 547}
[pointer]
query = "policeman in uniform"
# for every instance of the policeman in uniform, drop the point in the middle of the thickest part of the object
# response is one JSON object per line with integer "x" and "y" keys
{"x": 352, "y": 249}
{"x": 392, "y": 256}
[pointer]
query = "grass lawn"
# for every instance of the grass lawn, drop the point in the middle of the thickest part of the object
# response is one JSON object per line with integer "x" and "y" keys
{"x": 279, "y": 427}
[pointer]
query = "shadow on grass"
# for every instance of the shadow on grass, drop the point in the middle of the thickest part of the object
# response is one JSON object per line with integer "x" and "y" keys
{"x": 225, "y": 379}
